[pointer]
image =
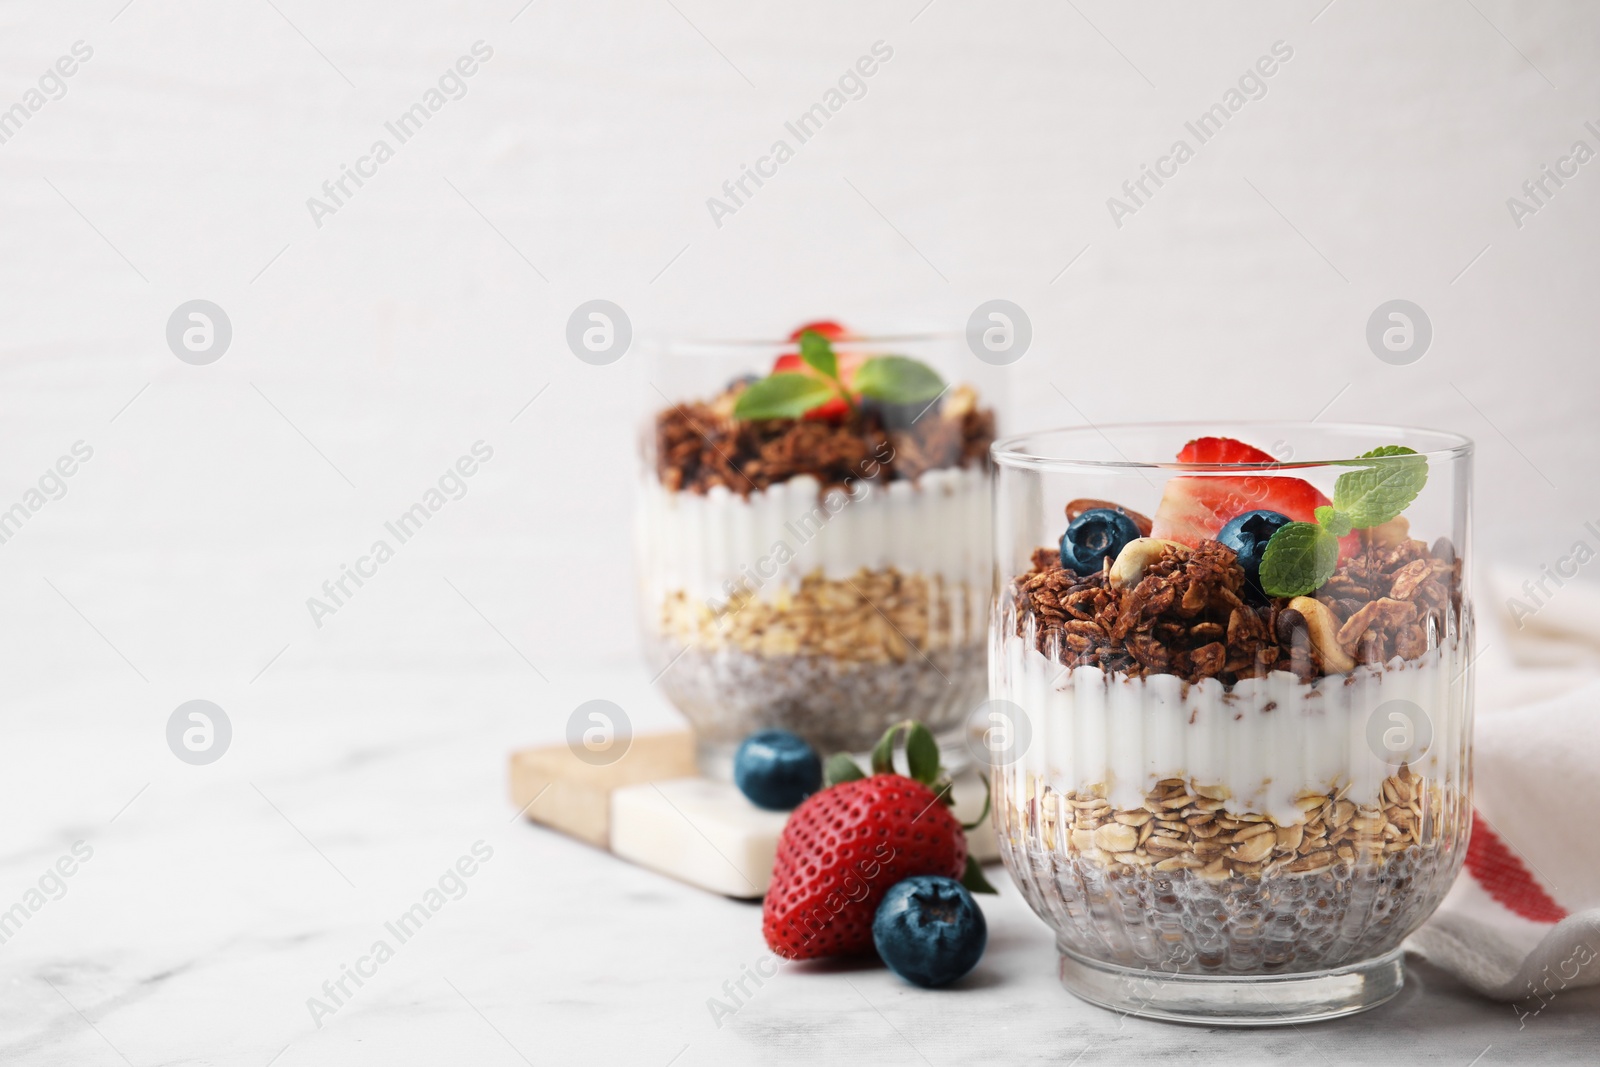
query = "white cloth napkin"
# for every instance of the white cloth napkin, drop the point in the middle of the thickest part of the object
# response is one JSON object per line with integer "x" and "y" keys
{"x": 1522, "y": 924}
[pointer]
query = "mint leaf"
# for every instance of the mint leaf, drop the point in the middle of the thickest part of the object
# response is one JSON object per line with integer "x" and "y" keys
{"x": 1333, "y": 520}
{"x": 1379, "y": 492}
{"x": 1383, "y": 452}
{"x": 1299, "y": 558}
{"x": 782, "y": 396}
{"x": 817, "y": 351}
{"x": 841, "y": 768}
{"x": 898, "y": 380}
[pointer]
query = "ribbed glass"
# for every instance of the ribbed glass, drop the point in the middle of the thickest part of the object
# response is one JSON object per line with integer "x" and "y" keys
{"x": 1272, "y": 823}
{"x": 833, "y": 611}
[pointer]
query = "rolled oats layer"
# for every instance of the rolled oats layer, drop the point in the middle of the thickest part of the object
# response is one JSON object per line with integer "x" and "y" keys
{"x": 837, "y": 660}
{"x": 1184, "y": 826}
{"x": 873, "y": 616}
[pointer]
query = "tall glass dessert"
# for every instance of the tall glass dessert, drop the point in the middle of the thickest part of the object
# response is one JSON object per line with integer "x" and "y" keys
{"x": 813, "y": 537}
{"x": 1240, "y": 767}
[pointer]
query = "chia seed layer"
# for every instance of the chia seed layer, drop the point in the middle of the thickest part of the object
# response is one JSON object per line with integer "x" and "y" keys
{"x": 1359, "y": 900}
{"x": 837, "y": 705}
{"x": 1180, "y": 923}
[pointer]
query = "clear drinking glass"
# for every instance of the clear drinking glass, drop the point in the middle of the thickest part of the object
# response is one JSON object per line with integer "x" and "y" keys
{"x": 793, "y": 575}
{"x": 1231, "y": 807}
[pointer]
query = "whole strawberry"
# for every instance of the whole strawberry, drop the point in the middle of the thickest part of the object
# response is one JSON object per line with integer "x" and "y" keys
{"x": 844, "y": 848}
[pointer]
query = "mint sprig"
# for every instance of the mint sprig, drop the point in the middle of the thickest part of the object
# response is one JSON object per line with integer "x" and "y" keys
{"x": 1375, "y": 494}
{"x": 1333, "y": 520}
{"x": 898, "y": 380}
{"x": 789, "y": 395}
{"x": 785, "y": 395}
{"x": 818, "y": 354}
{"x": 1298, "y": 559}
{"x": 1301, "y": 556}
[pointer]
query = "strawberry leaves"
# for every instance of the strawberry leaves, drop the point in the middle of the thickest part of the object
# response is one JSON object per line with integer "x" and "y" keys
{"x": 974, "y": 880}
{"x": 922, "y": 752}
{"x": 922, "y": 760}
{"x": 840, "y": 768}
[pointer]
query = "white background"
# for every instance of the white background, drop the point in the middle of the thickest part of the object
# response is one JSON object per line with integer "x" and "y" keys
{"x": 405, "y": 328}
{"x": 369, "y": 353}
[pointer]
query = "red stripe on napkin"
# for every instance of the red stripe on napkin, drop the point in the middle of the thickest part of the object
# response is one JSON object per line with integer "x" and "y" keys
{"x": 1505, "y": 877}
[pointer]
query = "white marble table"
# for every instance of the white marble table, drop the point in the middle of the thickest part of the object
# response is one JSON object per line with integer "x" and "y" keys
{"x": 218, "y": 899}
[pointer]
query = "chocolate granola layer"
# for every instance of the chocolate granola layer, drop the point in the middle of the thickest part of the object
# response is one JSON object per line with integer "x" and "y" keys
{"x": 1190, "y": 615}
{"x": 700, "y": 445}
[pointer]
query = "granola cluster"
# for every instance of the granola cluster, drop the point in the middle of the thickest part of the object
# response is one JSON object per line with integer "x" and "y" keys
{"x": 701, "y": 445}
{"x": 1189, "y": 614}
{"x": 1393, "y": 599}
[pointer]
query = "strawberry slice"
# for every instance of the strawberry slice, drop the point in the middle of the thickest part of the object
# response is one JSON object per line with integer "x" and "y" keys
{"x": 849, "y": 362}
{"x": 1193, "y": 509}
{"x": 1222, "y": 450}
{"x": 826, "y": 327}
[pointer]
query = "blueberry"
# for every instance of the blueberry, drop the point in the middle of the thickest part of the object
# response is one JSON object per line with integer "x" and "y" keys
{"x": 1247, "y": 535}
{"x": 1093, "y": 537}
{"x": 776, "y": 770}
{"x": 929, "y": 930}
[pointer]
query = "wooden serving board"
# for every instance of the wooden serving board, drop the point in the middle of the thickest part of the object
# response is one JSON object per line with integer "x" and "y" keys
{"x": 652, "y": 808}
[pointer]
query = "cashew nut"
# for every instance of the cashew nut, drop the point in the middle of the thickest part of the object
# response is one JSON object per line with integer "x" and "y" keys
{"x": 960, "y": 402}
{"x": 1395, "y": 532}
{"x": 1324, "y": 630}
{"x": 1137, "y": 556}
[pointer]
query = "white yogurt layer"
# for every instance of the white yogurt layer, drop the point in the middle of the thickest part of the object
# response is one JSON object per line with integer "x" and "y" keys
{"x": 1266, "y": 741}
{"x": 709, "y": 544}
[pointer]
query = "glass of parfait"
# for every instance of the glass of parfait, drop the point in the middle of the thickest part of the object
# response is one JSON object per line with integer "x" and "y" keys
{"x": 1235, "y": 665}
{"x": 812, "y": 536}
